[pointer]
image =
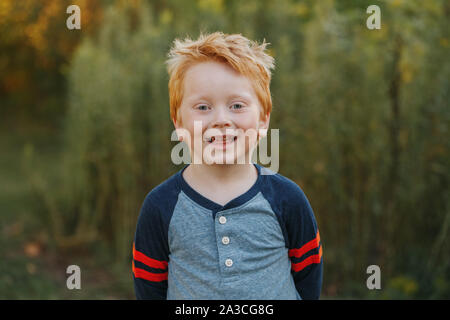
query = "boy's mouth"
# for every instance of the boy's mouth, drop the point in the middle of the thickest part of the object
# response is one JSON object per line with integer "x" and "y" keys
{"x": 221, "y": 139}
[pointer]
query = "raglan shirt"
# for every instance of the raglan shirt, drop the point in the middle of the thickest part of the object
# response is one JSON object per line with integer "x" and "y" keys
{"x": 264, "y": 244}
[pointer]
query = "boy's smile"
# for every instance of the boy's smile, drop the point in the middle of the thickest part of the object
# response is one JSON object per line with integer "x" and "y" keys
{"x": 219, "y": 107}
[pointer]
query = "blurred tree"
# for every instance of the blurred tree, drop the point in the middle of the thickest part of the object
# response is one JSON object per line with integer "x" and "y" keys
{"x": 35, "y": 49}
{"x": 115, "y": 139}
{"x": 363, "y": 118}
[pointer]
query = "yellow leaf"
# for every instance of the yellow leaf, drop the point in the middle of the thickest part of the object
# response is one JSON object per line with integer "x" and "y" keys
{"x": 32, "y": 249}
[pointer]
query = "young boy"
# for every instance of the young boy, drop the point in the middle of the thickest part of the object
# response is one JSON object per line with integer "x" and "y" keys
{"x": 219, "y": 228}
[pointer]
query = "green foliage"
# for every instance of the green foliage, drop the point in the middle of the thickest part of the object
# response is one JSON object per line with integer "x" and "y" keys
{"x": 114, "y": 138}
{"x": 363, "y": 118}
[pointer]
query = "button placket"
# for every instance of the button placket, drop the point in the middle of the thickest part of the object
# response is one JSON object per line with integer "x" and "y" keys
{"x": 224, "y": 249}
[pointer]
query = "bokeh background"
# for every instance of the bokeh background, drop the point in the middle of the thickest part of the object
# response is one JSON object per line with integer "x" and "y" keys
{"x": 85, "y": 135}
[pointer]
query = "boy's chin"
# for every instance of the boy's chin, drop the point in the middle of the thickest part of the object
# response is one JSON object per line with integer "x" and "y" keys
{"x": 225, "y": 159}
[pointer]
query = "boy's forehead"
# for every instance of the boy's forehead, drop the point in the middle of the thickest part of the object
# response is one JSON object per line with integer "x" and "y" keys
{"x": 210, "y": 66}
{"x": 206, "y": 78}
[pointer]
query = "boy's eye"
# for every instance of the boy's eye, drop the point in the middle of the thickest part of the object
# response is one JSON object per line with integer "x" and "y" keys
{"x": 237, "y": 106}
{"x": 202, "y": 107}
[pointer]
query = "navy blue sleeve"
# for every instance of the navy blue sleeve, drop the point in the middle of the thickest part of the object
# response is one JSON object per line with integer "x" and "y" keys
{"x": 150, "y": 253}
{"x": 300, "y": 232}
{"x": 305, "y": 247}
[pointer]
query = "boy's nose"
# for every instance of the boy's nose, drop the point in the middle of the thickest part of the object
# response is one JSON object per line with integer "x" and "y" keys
{"x": 221, "y": 119}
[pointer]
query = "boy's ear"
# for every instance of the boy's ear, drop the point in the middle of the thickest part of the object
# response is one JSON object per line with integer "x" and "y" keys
{"x": 176, "y": 123}
{"x": 182, "y": 133}
{"x": 264, "y": 125}
{"x": 264, "y": 121}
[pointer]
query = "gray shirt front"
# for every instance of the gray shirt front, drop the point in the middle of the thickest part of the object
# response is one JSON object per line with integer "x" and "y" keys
{"x": 263, "y": 244}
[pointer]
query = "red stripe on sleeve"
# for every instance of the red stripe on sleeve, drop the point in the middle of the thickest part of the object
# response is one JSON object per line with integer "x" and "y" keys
{"x": 314, "y": 243}
{"x": 143, "y": 274}
{"x": 152, "y": 263}
{"x": 310, "y": 260}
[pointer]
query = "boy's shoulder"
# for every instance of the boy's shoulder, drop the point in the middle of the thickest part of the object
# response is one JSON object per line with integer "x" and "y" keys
{"x": 164, "y": 194}
{"x": 286, "y": 197}
{"x": 281, "y": 187}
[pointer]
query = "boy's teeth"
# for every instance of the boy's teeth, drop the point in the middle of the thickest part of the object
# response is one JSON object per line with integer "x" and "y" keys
{"x": 221, "y": 139}
{"x": 224, "y": 139}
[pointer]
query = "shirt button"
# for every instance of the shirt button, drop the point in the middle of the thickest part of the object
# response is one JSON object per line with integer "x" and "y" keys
{"x": 225, "y": 240}
{"x": 228, "y": 262}
{"x": 222, "y": 220}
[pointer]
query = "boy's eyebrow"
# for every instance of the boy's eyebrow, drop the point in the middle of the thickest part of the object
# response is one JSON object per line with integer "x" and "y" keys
{"x": 197, "y": 97}
{"x": 244, "y": 96}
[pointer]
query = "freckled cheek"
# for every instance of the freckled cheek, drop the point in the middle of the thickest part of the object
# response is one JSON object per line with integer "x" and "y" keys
{"x": 191, "y": 139}
{"x": 188, "y": 120}
{"x": 246, "y": 124}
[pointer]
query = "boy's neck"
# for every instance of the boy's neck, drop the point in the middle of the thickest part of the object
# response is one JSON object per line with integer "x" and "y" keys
{"x": 229, "y": 180}
{"x": 222, "y": 173}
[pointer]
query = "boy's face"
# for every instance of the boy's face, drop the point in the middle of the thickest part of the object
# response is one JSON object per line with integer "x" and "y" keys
{"x": 226, "y": 110}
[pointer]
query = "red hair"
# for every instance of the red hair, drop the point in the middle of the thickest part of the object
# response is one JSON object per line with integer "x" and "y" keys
{"x": 243, "y": 55}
